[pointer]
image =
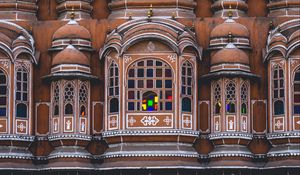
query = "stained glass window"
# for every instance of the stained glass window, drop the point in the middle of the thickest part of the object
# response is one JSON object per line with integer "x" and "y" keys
{"x": 150, "y": 101}
{"x": 56, "y": 97}
{"x": 217, "y": 99}
{"x": 3, "y": 94}
{"x": 278, "y": 90}
{"x": 113, "y": 88}
{"x": 149, "y": 86}
{"x": 22, "y": 98}
{"x": 230, "y": 97}
{"x": 69, "y": 99}
{"x": 186, "y": 86}
{"x": 297, "y": 92}
{"x": 244, "y": 99}
{"x": 83, "y": 99}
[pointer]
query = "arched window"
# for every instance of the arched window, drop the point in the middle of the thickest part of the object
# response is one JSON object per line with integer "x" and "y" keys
{"x": 244, "y": 99}
{"x": 113, "y": 87}
{"x": 217, "y": 99}
{"x": 186, "y": 105}
{"x": 114, "y": 105}
{"x": 22, "y": 110}
{"x": 278, "y": 91}
{"x": 56, "y": 99}
{"x": 69, "y": 109}
{"x": 3, "y": 94}
{"x": 149, "y": 75}
{"x": 186, "y": 86}
{"x": 83, "y": 99}
{"x": 297, "y": 92}
{"x": 230, "y": 98}
{"x": 150, "y": 101}
{"x": 69, "y": 99}
{"x": 22, "y": 85}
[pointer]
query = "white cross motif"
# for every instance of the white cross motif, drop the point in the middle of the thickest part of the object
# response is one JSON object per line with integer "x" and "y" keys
{"x": 231, "y": 125}
{"x": 217, "y": 125}
{"x": 1, "y": 126}
{"x": 113, "y": 122}
{"x": 131, "y": 121}
{"x": 68, "y": 124}
{"x": 167, "y": 120}
{"x": 187, "y": 121}
{"x": 21, "y": 127}
{"x": 278, "y": 124}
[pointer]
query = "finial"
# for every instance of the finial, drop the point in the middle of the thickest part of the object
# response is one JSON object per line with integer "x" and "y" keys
{"x": 130, "y": 16}
{"x": 173, "y": 15}
{"x": 72, "y": 14}
{"x": 230, "y": 14}
{"x": 271, "y": 25}
{"x": 150, "y": 11}
{"x": 230, "y": 37}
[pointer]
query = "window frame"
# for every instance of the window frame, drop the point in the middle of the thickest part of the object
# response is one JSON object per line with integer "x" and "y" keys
{"x": 161, "y": 91}
{"x": 2, "y": 72}
{"x": 279, "y": 88}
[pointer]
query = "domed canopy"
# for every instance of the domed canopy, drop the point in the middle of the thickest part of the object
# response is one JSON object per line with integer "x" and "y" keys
{"x": 72, "y": 30}
{"x": 230, "y": 26}
{"x": 230, "y": 54}
{"x": 70, "y": 55}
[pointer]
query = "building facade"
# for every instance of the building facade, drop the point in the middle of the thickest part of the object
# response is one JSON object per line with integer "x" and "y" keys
{"x": 156, "y": 87}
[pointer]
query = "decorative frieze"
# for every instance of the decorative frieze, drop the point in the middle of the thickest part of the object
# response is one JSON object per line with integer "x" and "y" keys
{"x": 284, "y": 8}
{"x": 21, "y": 10}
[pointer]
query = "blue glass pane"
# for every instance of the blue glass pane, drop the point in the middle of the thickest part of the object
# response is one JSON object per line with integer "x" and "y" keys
{"x": 130, "y": 83}
{"x": 158, "y": 83}
{"x": 22, "y": 110}
{"x": 2, "y": 90}
{"x": 297, "y": 109}
{"x": 168, "y": 106}
{"x": 158, "y": 63}
{"x": 189, "y": 91}
{"x": 297, "y": 76}
{"x": 186, "y": 105}
{"x": 149, "y": 72}
{"x": 183, "y": 91}
{"x": 18, "y": 96}
{"x": 131, "y": 106}
{"x": 168, "y": 84}
{"x": 2, "y": 78}
{"x": 2, "y": 112}
{"x": 140, "y": 72}
{"x": 278, "y": 108}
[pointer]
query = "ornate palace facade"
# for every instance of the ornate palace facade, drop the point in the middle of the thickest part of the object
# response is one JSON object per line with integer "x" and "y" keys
{"x": 150, "y": 87}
